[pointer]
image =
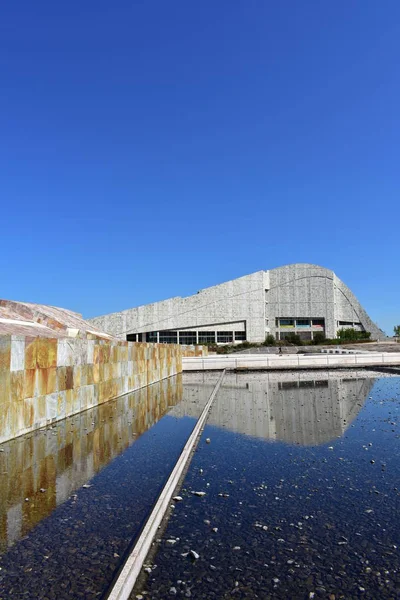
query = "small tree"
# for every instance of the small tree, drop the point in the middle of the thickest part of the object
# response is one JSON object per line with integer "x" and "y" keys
{"x": 396, "y": 330}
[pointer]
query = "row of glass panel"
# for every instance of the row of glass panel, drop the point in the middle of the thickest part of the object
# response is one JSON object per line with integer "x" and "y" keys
{"x": 300, "y": 322}
{"x": 189, "y": 337}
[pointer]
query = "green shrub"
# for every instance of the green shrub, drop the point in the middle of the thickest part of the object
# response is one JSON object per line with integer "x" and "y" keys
{"x": 269, "y": 340}
{"x": 319, "y": 338}
{"x": 294, "y": 338}
{"x": 350, "y": 335}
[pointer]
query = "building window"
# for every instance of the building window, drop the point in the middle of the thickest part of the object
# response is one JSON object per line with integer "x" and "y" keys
{"x": 151, "y": 336}
{"x": 240, "y": 336}
{"x": 168, "y": 337}
{"x": 188, "y": 338}
{"x": 318, "y": 323}
{"x": 286, "y": 322}
{"x": 131, "y": 337}
{"x": 303, "y": 322}
{"x": 206, "y": 337}
{"x": 224, "y": 337}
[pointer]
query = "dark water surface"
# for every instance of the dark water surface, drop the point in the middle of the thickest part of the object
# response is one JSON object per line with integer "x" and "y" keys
{"x": 73, "y": 497}
{"x": 302, "y": 482}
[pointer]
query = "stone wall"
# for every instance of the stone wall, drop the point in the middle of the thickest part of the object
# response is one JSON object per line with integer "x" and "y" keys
{"x": 43, "y": 380}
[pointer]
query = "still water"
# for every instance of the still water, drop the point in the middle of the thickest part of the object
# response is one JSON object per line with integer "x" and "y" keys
{"x": 302, "y": 480}
{"x": 73, "y": 497}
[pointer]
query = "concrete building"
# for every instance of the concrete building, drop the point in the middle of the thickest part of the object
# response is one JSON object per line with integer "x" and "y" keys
{"x": 300, "y": 298}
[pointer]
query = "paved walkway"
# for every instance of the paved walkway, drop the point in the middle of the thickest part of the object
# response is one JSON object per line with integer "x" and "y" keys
{"x": 290, "y": 361}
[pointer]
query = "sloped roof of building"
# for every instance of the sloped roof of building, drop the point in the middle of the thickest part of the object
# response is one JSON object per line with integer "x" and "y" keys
{"x": 25, "y": 318}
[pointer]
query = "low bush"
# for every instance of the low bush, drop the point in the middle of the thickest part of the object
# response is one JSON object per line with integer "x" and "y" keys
{"x": 269, "y": 340}
{"x": 294, "y": 339}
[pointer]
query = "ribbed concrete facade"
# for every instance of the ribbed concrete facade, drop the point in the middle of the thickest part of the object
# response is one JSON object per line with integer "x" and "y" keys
{"x": 299, "y": 298}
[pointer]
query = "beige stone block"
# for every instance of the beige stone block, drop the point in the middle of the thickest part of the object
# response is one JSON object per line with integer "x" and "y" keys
{"x": 89, "y": 374}
{"x": 17, "y": 379}
{"x": 28, "y": 414}
{"x": 69, "y": 402}
{"x": 90, "y": 352}
{"x": 46, "y": 381}
{"x": 65, "y": 352}
{"x": 5, "y": 430}
{"x": 51, "y": 407}
{"x": 40, "y": 410}
{"x": 30, "y": 353}
{"x": 65, "y": 378}
{"x": 62, "y": 404}
{"x": 96, "y": 373}
{"x": 30, "y": 383}
{"x": 5, "y": 388}
{"x": 5, "y": 353}
{"x": 77, "y": 377}
{"x": 17, "y": 355}
{"x": 96, "y": 354}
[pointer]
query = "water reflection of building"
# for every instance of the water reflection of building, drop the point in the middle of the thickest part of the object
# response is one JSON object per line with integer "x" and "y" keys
{"x": 298, "y": 408}
{"x": 62, "y": 459}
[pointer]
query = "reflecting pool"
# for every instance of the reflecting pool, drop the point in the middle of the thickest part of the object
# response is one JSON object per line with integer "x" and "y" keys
{"x": 302, "y": 479}
{"x": 73, "y": 497}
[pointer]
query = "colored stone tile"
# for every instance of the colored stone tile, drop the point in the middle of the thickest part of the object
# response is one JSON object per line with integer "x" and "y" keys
{"x": 5, "y": 389}
{"x": 30, "y": 353}
{"x": 29, "y": 383}
{"x": 46, "y": 381}
{"x": 17, "y": 381}
{"x": 5, "y": 353}
{"x": 46, "y": 353}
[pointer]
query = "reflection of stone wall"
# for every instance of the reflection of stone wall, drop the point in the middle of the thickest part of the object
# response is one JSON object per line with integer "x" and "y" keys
{"x": 43, "y": 380}
{"x": 191, "y": 351}
{"x": 302, "y": 408}
{"x": 62, "y": 459}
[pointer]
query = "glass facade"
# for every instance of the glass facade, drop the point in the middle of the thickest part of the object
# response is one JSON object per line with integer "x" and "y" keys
{"x": 240, "y": 336}
{"x": 168, "y": 337}
{"x": 286, "y": 322}
{"x": 206, "y": 337}
{"x": 225, "y": 337}
{"x": 303, "y": 323}
{"x": 151, "y": 336}
{"x": 187, "y": 337}
{"x": 318, "y": 322}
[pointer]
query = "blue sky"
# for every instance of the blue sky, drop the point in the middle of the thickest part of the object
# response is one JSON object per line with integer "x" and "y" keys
{"x": 149, "y": 149}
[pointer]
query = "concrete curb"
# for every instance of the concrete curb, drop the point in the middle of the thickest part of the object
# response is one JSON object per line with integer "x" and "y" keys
{"x": 126, "y": 580}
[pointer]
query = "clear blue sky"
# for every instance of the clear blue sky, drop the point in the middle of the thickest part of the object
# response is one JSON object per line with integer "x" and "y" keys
{"x": 149, "y": 149}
